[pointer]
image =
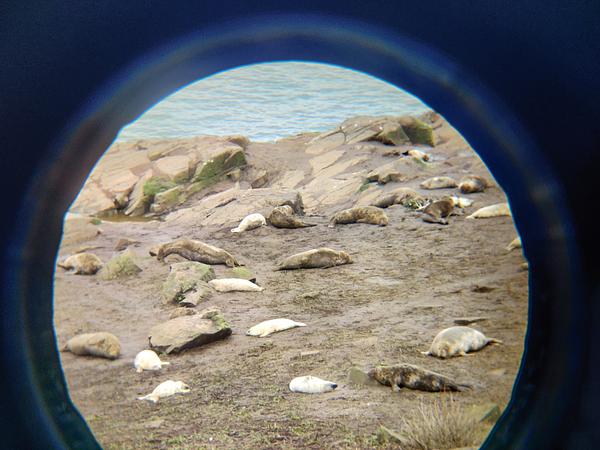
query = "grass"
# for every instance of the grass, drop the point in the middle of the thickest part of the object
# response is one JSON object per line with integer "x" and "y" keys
{"x": 441, "y": 425}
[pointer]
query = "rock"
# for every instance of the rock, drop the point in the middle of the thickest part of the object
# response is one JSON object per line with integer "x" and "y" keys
{"x": 487, "y": 412}
{"x": 231, "y": 157}
{"x": 78, "y": 228}
{"x": 240, "y": 140}
{"x": 92, "y": 200}
{"x": 307, "y": 354}
{"x": 165, "y": 200}
{"x": 359, "y": 376}
{"x": 385, "y": 435}
{"x": 118, "y": 184}
{"x": 392, "y": 134}
{"x": 186, "y": 332}
{"x": 185, "y": 277}
{"x": 104, "y": 345}
{"x": 138, "y": 200}
{"x": 123, "y": 243}
{"x": 400, "y": 170}
{"x": 417, "y": 131}
{"x": 257, "y": 177}
{"x": 195, "y": 296}
{"x": 175, "y": 168}
{"x": 468, "y": 320}
{"x": 122, "y": 265}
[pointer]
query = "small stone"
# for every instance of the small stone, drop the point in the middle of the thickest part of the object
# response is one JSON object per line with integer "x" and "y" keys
{"x": 307, "y": 354}
{"x": 179, "y": 312}
{"x": 185, "y": 277}
{"x": 192, "y": 298}
{"x": 123, "y": 243}
{"x": 359, "y": 376}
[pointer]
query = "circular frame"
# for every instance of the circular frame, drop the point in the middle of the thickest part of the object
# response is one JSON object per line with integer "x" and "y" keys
{"x": 533, "y": 417}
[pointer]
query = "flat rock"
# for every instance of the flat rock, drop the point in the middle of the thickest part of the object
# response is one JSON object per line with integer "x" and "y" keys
{"x": 78, "y": 228}
{"x": 93, "y": 201}
{"x": 176, "y": 168}
{"x": 400, "y": 170}
{"x": 186, "y": 332}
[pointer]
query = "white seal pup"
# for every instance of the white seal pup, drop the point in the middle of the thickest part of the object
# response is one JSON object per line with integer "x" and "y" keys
{"x": 148, "y": 360}
{"x": 497, "y": 210}
{"x": 439, "y": 183}
{"x": 269, "y": 327}
{"x": 166, "y": 389}
{"x": 250, "y": 223}
{"x": 311, "y": 385}
{"x": 82, "y": 264}
{"x": 234, "y": 285}
{"x": 515, "y": 243}
{"x": 458, "y": 341}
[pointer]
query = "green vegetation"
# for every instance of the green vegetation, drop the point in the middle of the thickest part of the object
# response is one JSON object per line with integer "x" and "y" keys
{"x": 122, "y": 265}
{"x": 418, "y": 131}
{"x": 155, "y": 185}
{"x": 95, "y": 221}
{"x": 212, "y": 170}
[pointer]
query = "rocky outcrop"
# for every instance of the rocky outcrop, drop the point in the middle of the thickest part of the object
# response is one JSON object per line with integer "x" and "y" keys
{"x": 78, "y": 228}
{"x": 186, "y": 332}
{"x": 187, "y": 283}
{"x": 400, "y": 170}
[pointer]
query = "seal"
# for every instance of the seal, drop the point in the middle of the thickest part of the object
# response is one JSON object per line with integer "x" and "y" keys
{"x": 497, "y": 210}
{"x": 515, "y": 243}
{"x": 234, "y": 285}
{"x": 473, "y": 183}
{"x": 458, "y": 341}
{"x": 311, "y": 385}
{"x": 360, "y": 214}
{"x": 269, "y": 327}
{"x": 283, "y": 217}
{"x": 250, "y": 222}
{"x": 402, "y": 196}
{"x": 166, "y": 389}
{"x": 148, "y": 360}
{"x": 319, "y": 258}
{"x": 438, "y": 183}
{"x": 104, "y": 345}
{"x": 417, "y": 154}
{"x": 439, "y": 211}
{"x": 413, "y": 377}
{"x": 461, "y": 202}
{"x": 82, "y": 264}
{"x": 195, "y": 251}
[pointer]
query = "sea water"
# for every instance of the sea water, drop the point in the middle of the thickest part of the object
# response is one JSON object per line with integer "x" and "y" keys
{"x": 269, "y": 101}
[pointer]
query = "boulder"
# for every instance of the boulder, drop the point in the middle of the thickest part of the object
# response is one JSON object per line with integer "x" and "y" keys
{"x": 78, "y": 228}
{"x": 92, "y": 200}
{"x": 184, "y": 278}
{"x": 227, "y": 159}
{"x": 165, "y": 200}
{"x": 200, "y": 292}
{"x": 138, "y": 201}
{"x": 186, "y": 332}
{"x": 400, "y": 170}
{"x": 122, "y": 265}
{"x": 175, "y": 168}
{"x": 417, "y": 131}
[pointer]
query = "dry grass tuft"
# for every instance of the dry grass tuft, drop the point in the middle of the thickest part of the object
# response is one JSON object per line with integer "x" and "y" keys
{"x": 441, "y": 425}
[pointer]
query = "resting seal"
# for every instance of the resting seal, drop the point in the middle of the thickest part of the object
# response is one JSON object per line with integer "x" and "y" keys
{"x": 439, "y": 183}
{"x": 311, "y": 385}
{"x": 82, "y": 263}
{"x": 148, "y": 360}
{"x": 500, "y": 209}
{"x": 195, "y": 251}
{"x": 417, "y": 154}
{"x": 472, "y": 184}
{"x": 413, "y": 377}
{"x": 250, "y": 222}
{"x": 283, "y": 217}
{"x": 439, "y": 211}
{"x": 104, "y": 345}
{"x": 234, "y": 285}
{"x": 402, "y": 196}
{"x": 268, "y": 327}
{"x": 360, "y": 214}
{"x": 320, "y": 258}
{"x": 166, "y": 389}
{"x": 458, "y": 341}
